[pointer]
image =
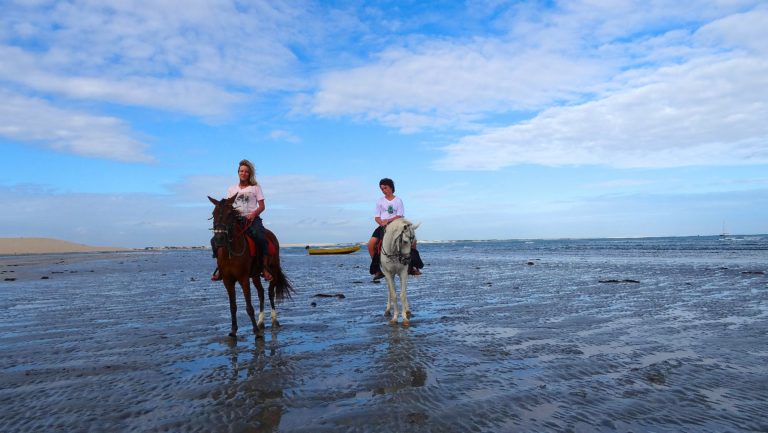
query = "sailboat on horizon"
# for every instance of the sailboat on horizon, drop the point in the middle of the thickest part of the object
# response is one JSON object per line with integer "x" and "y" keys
{"x": 726, "y": 236}
{"x": 724, "y": 233}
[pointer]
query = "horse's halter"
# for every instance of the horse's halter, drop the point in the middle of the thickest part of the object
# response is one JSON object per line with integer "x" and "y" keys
{"x": 400, "y": 241}
{"x": 223, "y": 225}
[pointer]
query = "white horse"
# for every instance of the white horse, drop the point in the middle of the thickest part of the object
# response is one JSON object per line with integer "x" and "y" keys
{"x": 395, "y": 257}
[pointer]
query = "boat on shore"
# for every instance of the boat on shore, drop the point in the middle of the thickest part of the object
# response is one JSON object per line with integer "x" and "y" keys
{"x": 333, "y": 250}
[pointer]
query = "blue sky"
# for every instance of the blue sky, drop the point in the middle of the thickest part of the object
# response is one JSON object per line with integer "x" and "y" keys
{"x": 495, "y": 119}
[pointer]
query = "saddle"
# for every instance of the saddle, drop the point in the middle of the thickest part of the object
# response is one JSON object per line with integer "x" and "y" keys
{"x": 271, "y": 247}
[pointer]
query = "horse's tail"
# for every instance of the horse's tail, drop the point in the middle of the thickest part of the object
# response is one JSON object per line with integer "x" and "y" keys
{"x": 283, "y": 286}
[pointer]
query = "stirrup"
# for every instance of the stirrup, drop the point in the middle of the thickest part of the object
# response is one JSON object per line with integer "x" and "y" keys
{"x": 216, "y": 275}
{"x": 271, "y": 277}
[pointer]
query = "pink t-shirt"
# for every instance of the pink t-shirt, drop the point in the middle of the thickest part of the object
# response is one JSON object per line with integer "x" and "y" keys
{"x": 247, "y": 199}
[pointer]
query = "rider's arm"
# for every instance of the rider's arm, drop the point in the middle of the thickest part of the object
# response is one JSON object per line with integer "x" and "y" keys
{"x": 258, "y": 210}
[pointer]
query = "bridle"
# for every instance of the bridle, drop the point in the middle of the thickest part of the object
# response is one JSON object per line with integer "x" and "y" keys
{"x": 398, "y": 253}
{"x": 222, "y": 231}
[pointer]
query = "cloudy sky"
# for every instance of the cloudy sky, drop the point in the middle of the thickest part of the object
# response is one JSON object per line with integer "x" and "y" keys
{"x": 496, "y": 119}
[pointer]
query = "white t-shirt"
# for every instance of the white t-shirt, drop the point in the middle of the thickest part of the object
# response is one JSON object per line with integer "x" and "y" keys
{"x": 386, "y": 209}
{"x": 248, "y": 198}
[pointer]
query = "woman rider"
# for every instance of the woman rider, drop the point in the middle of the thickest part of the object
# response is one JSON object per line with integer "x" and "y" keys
{"x": 250, "y": 205}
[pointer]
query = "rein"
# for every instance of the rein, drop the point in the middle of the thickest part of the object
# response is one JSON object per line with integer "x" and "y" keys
{"x": 398, "y": 254}
{"x": 225, "y": 230}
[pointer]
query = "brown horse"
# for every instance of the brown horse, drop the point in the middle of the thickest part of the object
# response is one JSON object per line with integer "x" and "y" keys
{"x": 236, "y": 265}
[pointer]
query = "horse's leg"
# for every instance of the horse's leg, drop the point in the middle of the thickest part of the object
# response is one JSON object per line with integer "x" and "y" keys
{"x": 271, "y": 289}
{"x": 387, "y": 311}
{"x": 260, "y": 289}
{"x": 230, "y": 286}
{"x": 404, "y": 295}
{"x": 248, "y": 303}
{"x": 391, "y": 296}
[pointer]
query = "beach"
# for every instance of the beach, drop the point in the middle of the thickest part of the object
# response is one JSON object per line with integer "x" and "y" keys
{"x": 660, "y": 335}
{"x": 32, "y": 245}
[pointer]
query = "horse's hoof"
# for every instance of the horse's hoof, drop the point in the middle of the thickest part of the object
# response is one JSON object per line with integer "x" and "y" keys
{"x": 393, "y": 322}
{"x": 275, "y": 324}
{"x": 233, "y": 335}
{"x": 387, "y": 313}
{"x": 260, "y": 325}
{"x": 408, "y": 314}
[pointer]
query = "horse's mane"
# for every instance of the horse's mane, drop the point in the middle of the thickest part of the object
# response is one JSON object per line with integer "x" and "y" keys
{"x": 398, "y": 222}
{"x": 393, "y": 232}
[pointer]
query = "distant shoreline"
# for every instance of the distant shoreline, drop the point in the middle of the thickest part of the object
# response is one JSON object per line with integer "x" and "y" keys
{"x": 38, "y": 245}
{"x": 20, "y": 246}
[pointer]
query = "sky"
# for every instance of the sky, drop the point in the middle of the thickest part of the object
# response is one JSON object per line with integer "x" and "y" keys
{"x": 496, "y": 119}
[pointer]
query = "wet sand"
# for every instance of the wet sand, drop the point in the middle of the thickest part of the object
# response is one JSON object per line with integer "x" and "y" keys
{"x": 498, "y": 343}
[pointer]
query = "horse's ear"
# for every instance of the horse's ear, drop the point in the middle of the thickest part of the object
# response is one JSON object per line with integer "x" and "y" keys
{"x": 213, "y": 200}
{"x": 232, "y": 199}
{"x": 415, "y": 226}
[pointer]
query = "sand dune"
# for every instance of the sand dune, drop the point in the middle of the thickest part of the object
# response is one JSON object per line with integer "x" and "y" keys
{"x": 47, "y": 245}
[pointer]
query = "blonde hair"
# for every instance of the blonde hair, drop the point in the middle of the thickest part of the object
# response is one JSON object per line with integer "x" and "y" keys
{"x": 251, "y": 169}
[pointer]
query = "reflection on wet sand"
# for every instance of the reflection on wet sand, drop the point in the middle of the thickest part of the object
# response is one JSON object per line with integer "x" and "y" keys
{"x": 249, "y": 366}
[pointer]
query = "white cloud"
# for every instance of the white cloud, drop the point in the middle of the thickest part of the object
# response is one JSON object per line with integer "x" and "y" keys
{"x": 125, "y": 220}
{"x": 190, "y": 96}
{"x": 444, "y": 81}
{"x": 745, "y": 31}
{"x": 198, "y": 57}
{"x": 282, "y": 135}
{"x": 706, "y": 112}
{"x": 288, "y": 191}
{"x": 625, "y": 84}
{"x": 538, "y": 57}
{"x": 619, "y": 184}
{"x": 299, "y": 208}
{"x": 36, "y": 120}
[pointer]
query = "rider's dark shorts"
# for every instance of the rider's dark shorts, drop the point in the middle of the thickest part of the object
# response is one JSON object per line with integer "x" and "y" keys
{"x": 257, "y": 232}
{"x": 378, "y": 233}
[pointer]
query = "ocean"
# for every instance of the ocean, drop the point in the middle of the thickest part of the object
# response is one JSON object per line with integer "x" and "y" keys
{"x": 595, "y": 335}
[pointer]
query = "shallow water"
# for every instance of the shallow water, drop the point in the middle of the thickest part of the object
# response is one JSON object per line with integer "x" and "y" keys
{"x": 505, "y": 336}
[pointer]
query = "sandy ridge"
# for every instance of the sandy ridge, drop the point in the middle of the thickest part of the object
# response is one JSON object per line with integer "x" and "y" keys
{"x": 48, "y": 245}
